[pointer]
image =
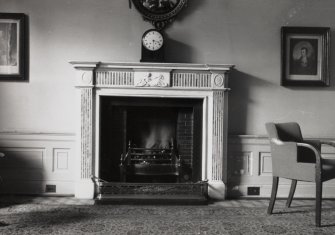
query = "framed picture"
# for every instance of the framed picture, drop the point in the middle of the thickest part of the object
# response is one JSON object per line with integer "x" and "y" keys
{"x": 305, "y": 56}
{"x": 13, "y": 48}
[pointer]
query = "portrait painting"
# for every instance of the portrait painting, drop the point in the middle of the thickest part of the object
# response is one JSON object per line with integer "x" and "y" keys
{"x": 305, "y": 56}
{"x": 12, "y": 46}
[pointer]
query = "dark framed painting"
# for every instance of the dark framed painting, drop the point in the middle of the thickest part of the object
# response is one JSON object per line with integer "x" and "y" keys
{"x": 13, "y": 48}
{"x": 305, "y": 56}
{"x": 159, "y": 12}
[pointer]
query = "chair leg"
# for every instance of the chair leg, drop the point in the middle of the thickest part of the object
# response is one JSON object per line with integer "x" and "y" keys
{"x": 291, "y": 194}
{"x": 275, "y": 181}
{"x": 318, "y": 203}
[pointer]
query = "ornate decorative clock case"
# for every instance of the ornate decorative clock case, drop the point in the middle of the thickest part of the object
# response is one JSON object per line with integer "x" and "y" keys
{"x": 159, "y": 12}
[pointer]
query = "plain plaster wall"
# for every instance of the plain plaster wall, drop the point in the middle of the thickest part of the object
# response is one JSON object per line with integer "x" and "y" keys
{"x": 241, "y": 32}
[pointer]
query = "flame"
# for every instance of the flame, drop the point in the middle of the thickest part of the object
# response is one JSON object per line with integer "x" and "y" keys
{"x": 159, "y": 135}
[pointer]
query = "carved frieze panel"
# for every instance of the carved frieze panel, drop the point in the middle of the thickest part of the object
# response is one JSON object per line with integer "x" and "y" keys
{"x": 151, "y": 79}
{"x": 115, "y": 78}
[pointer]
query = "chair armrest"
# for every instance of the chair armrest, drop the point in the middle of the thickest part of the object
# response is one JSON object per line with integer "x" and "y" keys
{"x": 316, "y": 152}
{"x": 314, "y": 142}
{"x": 317, "y": 142}
{"x": 292, "y": 148}
{"x": 330, "y": 143}
{"x": 286, "y": 153}
{"x": 283, "y": 152}
{"x": 310, "y": 146}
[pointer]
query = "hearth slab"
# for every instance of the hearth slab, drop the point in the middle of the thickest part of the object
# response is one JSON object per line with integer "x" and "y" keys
{"x": 152, "y": 199}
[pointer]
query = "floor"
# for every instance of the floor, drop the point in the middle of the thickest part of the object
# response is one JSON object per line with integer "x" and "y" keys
{"x": 252, "y": 203}
{"x": 47, "y": 200}
{"x": 68, "y": 215}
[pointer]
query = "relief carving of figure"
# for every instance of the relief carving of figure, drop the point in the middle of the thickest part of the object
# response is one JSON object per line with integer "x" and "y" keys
{"x": 150, "y": 81}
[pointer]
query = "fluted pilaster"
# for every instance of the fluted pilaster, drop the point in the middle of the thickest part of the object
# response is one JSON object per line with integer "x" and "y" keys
{"x": 218, "y": 135}
{"x": 86, "y": 133}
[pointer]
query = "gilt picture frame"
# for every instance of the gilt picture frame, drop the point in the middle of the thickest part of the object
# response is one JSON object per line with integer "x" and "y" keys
{"x": 305, "y": 56}
{"x": 13, "y": 49}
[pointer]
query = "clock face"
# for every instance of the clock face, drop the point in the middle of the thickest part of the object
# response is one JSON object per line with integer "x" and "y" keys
{"x": 152, "y": 40}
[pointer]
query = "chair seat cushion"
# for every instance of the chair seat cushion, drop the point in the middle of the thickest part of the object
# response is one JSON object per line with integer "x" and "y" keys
{"x": 328, "y": 169}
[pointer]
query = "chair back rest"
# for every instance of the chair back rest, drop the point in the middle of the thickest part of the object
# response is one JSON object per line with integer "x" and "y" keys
{"x": 289, "y": 131}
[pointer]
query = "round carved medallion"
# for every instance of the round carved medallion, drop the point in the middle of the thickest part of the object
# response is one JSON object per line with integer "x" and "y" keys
{"x": 86, "y": 78}
{"x": 218, "y": 80}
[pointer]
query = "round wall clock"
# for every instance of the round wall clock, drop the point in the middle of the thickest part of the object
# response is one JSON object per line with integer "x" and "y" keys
{"x": 152, "y": 46}
{"x": 159, "y": 12}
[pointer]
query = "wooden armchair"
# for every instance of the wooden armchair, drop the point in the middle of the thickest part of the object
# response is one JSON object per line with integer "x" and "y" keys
{"x": 298, "y": 159}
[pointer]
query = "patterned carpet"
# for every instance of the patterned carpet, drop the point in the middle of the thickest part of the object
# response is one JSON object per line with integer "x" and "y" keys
{"x": 47, "y": 218}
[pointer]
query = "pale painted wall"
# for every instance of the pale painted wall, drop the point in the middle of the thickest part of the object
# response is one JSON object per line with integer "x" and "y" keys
{"x": 242, "y": 32}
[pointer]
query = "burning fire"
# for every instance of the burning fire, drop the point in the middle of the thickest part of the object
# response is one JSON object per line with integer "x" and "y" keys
{"x": 159, "y": 135}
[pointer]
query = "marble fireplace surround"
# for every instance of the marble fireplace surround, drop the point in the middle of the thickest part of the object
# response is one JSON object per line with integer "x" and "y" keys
{"x": 202, "y": 81}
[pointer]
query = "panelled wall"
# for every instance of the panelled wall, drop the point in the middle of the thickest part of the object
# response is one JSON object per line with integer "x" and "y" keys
{"x": 36, "y": 163}
{"x": 249, "y": 165}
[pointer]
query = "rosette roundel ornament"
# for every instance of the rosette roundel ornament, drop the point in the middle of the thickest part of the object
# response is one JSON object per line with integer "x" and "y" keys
{"x": 159, "y": 12}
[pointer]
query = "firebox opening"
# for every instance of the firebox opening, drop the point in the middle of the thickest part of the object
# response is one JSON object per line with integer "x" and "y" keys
{"x": 149, "y": 127}
{"x": 150, "y": 139}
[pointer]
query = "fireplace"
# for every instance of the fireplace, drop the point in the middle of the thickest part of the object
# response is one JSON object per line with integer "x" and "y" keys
{"x": 148, "y": 128}
{"x": 170, "y": 117}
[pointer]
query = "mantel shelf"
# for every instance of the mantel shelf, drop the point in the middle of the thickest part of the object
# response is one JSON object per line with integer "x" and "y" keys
{"x": 141, "y": 65}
